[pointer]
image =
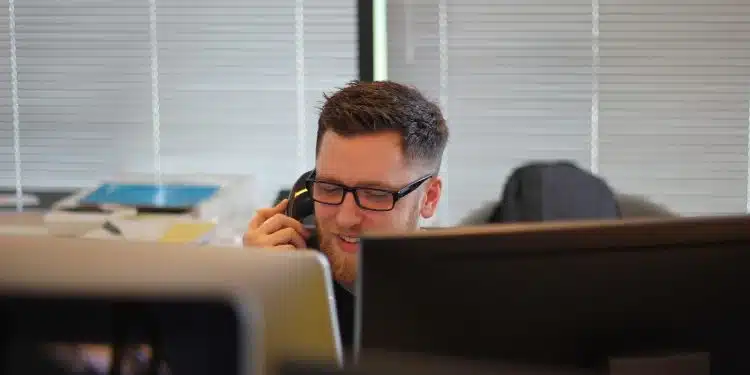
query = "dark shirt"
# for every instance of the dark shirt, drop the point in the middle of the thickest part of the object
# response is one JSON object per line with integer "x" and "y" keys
{"x": 344, "y": 306}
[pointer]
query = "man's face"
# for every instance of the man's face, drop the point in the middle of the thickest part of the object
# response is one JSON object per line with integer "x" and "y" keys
{"x": 374, "y": 161}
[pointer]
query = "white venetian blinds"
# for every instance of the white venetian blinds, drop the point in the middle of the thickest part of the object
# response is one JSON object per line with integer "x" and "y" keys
{"x": 674, "y": 91}
{"x": 83, "y": 90}
{"x": 7, "y": 154}
{"x": 234, "y": 77}
{"x": 237, "y": 85}
{"x": 652, "y": 95}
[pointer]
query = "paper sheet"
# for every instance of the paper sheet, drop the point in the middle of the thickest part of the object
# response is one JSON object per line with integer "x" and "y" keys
{"x": 187, "y": 232}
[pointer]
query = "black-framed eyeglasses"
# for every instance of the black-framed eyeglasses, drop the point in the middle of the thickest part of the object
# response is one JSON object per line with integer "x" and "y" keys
{"x": 372, "y": 199}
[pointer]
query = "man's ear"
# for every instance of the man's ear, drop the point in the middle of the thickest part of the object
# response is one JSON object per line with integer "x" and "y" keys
{"x": 431, "y": 197}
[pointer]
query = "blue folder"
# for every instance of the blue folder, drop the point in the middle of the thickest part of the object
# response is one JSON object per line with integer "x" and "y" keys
{"x": 151, "y": 195}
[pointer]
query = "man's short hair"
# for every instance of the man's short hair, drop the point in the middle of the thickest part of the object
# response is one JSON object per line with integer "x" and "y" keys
{"x": 363, "y": 108}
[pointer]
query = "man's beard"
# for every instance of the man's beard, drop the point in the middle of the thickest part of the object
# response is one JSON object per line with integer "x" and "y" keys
{"x": 344, "y": 265}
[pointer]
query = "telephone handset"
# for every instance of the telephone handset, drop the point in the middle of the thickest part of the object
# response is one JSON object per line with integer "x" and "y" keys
{"x": 301, "y": 206}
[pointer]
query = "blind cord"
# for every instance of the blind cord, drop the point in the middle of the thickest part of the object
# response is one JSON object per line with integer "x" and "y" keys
{"x": 299, "y": 43}
{"x": 155, "y": 110}
{"x": 443, "y": 101}
{"x": 14, "y": 99}
{"x": 594, "y": 143}
{"x": 408, "y": 37}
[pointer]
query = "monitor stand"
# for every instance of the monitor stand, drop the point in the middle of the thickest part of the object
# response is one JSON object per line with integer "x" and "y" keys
{"x": 675, "y": 364}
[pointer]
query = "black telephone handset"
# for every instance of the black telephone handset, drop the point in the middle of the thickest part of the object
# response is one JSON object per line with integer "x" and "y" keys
{"x": 301, "y": 206}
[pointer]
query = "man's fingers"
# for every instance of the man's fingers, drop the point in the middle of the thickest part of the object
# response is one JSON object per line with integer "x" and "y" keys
{"x": 271, "y": 228}
{"x": 287, "y": 236}
{"x": 253, "y": 239}
{"x": 256, "y": 221}
{"x": 266, "y": 213}
{"x": 260, "y": 217}
{"x": 285, "y": 247}
{"x": 279, "y": 222}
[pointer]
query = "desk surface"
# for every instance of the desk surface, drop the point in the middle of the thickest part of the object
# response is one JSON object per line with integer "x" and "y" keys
{"x": 30, "y": 218}
{"x": 22, "y": 223}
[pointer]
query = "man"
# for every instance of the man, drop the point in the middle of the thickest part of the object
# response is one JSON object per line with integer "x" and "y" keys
{"x": 378, "y": 152}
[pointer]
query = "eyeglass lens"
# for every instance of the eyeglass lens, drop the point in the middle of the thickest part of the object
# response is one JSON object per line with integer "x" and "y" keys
{"x": 371, "y": 199}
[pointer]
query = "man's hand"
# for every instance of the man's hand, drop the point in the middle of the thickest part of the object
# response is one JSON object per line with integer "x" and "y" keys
{"x": 271, "y": 228}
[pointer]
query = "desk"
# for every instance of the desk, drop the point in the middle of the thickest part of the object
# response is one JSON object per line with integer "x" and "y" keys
{"x": 23, "y": 223}
{"x": 22, "y": 218}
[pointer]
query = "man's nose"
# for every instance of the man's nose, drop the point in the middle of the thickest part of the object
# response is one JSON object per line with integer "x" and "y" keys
{"x": 349, "y": 212}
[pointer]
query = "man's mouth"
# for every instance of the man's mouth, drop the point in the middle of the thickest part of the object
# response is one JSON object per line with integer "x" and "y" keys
{"x": 348, "y": 244}
{"x": 349, "y": 239}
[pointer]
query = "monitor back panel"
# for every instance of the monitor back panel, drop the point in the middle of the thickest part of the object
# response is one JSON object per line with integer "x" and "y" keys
{"x": 561, "y": 294}
{"x": 284, "y": 295}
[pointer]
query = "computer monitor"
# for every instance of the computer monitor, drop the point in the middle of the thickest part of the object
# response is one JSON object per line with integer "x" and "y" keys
{"x": 605, "y": 296}
{"x": 209, "y": 310}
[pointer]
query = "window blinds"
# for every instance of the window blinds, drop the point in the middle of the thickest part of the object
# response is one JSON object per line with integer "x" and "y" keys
{"x": 652, "y": 95}
{"x": 7, "y": 154}
{"x": 674, "y": 91}
{"x": 231, "y": 78}
{"x": 518, "y": 85}
{"x": 83, "y": 84}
